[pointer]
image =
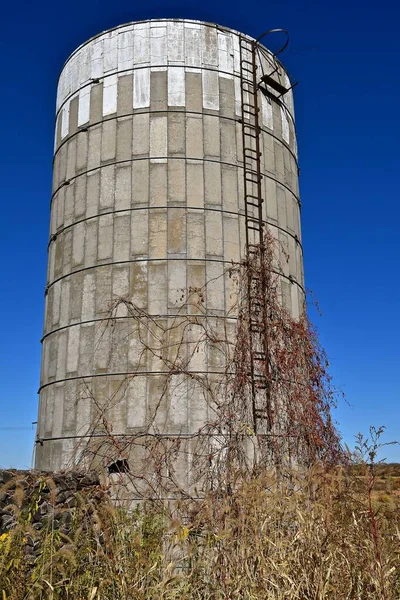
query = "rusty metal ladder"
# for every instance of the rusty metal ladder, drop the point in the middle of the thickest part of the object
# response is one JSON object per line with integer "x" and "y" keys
{"x": 255, "y": 238}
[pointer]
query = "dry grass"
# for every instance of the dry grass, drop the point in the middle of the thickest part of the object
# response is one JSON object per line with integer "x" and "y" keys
{"x": 308, "y": 536}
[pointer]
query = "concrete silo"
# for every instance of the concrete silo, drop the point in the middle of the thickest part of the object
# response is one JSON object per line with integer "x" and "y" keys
{"x": 149, "y": 202}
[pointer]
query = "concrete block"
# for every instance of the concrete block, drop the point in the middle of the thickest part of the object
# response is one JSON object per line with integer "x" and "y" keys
{"x": 158, "y": 138}
{"x": 62, "y": 164}
{"x": 196, "y": 280}
{"x": 105, "y": 243}
{"x": 231, "y": 239}
{"x": 80, "y": 197}
{"x": 122, "y": 236}
{"x": 62, "y": 339}
{"x": 75, "y": 305}
{"x": 177, "y": 285}
{"x": 91, "y": 242}
{"x": 157, "y": 288}
{"x": 120, "y": 282}
{"x": 214, "y": 239}
{"x": 281, "y": 202}
{"x": 64, "y": 303}
{"x": 73, "y": 349}
{"x": 96, "y": 103}
{"x": 78, "y": 244}
{"x": 157, "y": 234}
{"x": 195, "y": 184}
{"x": 140, "y": 233}
{"x": 212, "y": 183}
{"x": 176, "y": 231}
{"x": 69, "y": 201}
{"x": 67, "y": 252}
{"x": 124, "y": 139}
{"x": 136, "y": 403}
{"x": 56, "y": 302}
{"x": 138, "y": 284}
{"x": 279, "y": 164}
{"x": 125, "y": 94}
{"x": 158, "y": 90}
{"x": 123, "y": 181}
{"x": 229, "y": 177}
{"x": 176, "y": 181}
{"x": 94, "y": 147}
{"x": 227, "y": 97}
{"x": 140, "y": 182}
{"x": 195, "y": 235}
{"x": 158, "y": 184}
{"x": 228, "y": 141}
{"x": 211, "y": 127}
{"x": 140, "y": 134}
{"x": 270, "y": 200}
{"x": 194, "y": 92}
{"x": 177, "y": 414}
{"x": 71, "y": 158}
{"x": 215, "y": 286}
{"x": 107, "y": 187}
{"x": 108, "y": 140}
{"x": 194, "y": 137}
{"x": 103, "y": 290}
{"x": 176, "y": 133}
{"x": 73, "y": 116}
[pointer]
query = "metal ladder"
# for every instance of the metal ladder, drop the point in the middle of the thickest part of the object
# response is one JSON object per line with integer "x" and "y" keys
{"x": 255, "y": 239}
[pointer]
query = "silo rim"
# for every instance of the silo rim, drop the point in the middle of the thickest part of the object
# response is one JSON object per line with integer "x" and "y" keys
{"x": 206, "y": 23}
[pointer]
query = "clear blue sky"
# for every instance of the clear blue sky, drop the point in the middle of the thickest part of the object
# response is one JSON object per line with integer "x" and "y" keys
{"x": 346, "y": 57}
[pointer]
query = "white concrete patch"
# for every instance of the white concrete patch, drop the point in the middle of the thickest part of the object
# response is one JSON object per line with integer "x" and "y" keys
{"x": 209, "y": 46}
{"x": 210, "y": 90}
{"x": 225, "y": 54}
{"x": 111, "y": 51}
{"x": 158, "y": 44}
{"x": 65, "y": 120}
{"x": 236, "y": 53}
{"x": 176, "y": 86}
{"x": 192, "y": 45}
{"x": 141, "y": 43}
{"x": 84, "y": 64}
{"x": 176, "y": 42}
{"x": 125, "y": 49}
{"x": 141, "y": 88}
{"x": 285, "y": 125}
{"x": 238, "y": 97}
{"x": 110, "y": 94}
{"x": 266, "y": 111}
{"x": 84, "y": 105}
{"x": 97, "y": 59}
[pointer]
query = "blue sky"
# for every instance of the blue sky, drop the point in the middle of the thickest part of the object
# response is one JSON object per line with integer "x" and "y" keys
{"x": 345, "y": 56}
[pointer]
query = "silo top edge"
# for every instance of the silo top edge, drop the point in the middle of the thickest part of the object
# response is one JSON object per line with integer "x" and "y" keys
{"x": 121, "y": 26}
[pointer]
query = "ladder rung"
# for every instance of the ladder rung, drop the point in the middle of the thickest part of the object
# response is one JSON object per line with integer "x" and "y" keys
{"x": 252, "y": 151}
{"x": 260, "y": 200}
{"x": 252, "y": 171}
{"x": 252, "y": 179}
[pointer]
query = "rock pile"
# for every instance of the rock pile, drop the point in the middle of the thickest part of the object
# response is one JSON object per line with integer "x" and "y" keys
{"x": 39, "y": 501}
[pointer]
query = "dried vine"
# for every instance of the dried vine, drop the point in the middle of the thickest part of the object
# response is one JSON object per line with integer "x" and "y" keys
{"x": 297, "y": 396}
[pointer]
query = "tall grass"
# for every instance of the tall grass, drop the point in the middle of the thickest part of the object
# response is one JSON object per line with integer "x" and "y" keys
{"x": 307, "y": 536}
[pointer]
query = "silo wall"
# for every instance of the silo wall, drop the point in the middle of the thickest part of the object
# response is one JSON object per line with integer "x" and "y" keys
{"x": 147, "y": 208}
